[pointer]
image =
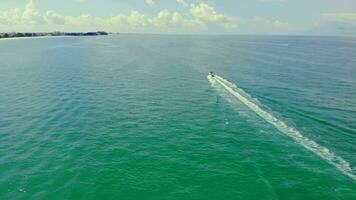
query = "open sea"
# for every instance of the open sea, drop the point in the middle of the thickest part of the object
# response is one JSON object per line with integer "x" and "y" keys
{"x": 136, "y": 117}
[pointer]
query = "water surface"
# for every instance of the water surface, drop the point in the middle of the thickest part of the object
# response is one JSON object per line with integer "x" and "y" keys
{"x": 134, "y": 117}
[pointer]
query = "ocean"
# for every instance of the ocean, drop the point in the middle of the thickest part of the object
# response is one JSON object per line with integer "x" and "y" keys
{"x": 137, "y": 117}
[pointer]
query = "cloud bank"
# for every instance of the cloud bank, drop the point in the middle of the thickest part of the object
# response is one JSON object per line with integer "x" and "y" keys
{"x": 196, "y": 18}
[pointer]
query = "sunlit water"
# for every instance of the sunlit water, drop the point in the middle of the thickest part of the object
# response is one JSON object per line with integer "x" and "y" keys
{"x": 134, "y": 117}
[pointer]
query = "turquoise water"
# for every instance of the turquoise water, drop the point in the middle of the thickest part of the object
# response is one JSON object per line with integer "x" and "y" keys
{"x": 135, "y": 117}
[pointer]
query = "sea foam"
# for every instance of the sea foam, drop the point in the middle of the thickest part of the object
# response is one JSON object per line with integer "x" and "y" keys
{"x": 323, "y": 152}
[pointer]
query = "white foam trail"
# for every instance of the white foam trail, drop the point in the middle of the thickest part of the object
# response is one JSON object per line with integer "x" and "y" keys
{"x": 307, "y": 143}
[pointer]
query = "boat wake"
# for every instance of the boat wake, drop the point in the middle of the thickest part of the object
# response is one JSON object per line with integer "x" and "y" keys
{"x": 322, "y": 152}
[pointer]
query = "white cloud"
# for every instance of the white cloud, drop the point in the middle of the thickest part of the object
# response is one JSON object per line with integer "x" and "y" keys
{"x": 340, "y": 17}
{"x": 31, "y": 13}
{"x": 177, "y": 18}
{"x": 135, "y": 21}
{"x": 339, "y": 23}
{"x": 206, "y": 13}
{"x": 260, "y": 22}
{"x": 11, "y": 17}
{"x": 278, "y": 23}
{"x": 166, "y": 19}
{"x": 182, "y": 2}
{"x": 151, "y": 2}
{"x": 163, "y": 19}
{"x": 52, "y": 17}
{"x": 196, "y": 17}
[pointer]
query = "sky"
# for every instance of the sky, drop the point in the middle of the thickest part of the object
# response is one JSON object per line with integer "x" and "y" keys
{"x": 272, "y": 17}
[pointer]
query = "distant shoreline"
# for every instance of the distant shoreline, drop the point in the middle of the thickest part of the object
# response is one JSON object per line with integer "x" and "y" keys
{"x": 13, "y": 36}
{"x": 38, "y": 37}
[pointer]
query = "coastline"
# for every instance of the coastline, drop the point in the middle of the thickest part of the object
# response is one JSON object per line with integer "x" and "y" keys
{"x": 13, "y": 36}
{"x": 41, "y": 37}
{"x": 26, "y": 38}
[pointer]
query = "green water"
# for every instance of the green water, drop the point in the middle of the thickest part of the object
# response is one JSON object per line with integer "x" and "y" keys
{"x": 135, "y": 117}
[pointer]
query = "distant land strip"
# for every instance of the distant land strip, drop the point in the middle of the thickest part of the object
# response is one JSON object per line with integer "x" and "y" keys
{"x": 19, "y": 35}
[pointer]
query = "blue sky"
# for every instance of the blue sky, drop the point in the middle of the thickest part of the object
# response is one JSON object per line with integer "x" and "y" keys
{"x": 301, "y": 17}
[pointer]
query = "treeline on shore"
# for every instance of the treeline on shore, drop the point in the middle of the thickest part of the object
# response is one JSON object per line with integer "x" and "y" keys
{"x": 16, "y": 34}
